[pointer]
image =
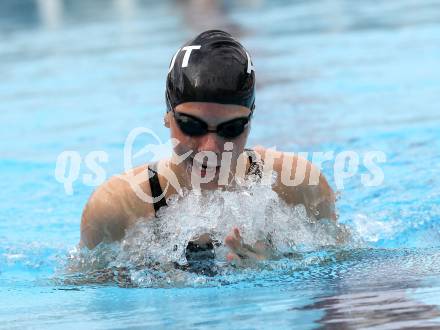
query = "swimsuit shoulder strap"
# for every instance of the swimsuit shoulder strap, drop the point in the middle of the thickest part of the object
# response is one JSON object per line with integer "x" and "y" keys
{"x": 256, "y": 163}
{"x": 156, "y": 189}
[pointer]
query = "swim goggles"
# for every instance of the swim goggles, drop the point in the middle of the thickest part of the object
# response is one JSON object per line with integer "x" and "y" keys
{"x": 193, "y": 126}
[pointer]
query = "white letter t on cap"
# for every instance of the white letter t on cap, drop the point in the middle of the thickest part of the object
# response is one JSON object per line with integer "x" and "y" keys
{"x": 188, "y": 50}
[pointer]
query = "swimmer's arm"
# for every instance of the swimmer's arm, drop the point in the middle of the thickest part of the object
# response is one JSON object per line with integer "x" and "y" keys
{"x": 318, "y": 199}
{"x": 102, "y": 219}
{"x": 111, "y": 209}
{"x": 315, "y": 194}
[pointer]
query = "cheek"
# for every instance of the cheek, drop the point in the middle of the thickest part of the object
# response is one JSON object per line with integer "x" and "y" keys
{"x": 239, "y": 145}
{"x": 240, "y": 142}
{"x": 185, "y": 144}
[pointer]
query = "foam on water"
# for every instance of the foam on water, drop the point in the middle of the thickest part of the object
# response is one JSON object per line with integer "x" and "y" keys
{"x": 157, "y": 245}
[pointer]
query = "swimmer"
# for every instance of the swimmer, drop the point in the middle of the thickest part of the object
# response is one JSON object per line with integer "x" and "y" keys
{"x": 210, "y": 98}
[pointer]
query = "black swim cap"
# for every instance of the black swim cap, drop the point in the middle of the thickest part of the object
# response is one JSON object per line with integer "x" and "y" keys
{"x": 213, "y": 67}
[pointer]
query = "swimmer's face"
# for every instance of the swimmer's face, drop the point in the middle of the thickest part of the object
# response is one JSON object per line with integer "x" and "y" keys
{"x": 212, "y": 114}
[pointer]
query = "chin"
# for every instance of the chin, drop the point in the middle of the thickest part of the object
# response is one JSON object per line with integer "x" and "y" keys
{"x": 209, "y": 186}
{"x": 213, "y": 184}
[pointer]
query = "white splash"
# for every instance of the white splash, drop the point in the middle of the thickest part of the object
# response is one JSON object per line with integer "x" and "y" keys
{"x": 371, "y": 230}
{"x": 152, "y": 247}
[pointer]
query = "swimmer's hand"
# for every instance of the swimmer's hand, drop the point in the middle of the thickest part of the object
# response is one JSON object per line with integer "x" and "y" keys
{"x": 241, "y": 251}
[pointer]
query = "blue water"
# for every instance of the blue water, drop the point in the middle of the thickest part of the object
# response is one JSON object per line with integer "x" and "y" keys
{"x": 332, "y": 75}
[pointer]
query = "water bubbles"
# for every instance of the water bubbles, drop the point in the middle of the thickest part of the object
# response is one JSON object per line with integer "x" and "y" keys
{"x": 154, "y": 250}
{"x": 372, "y": 230}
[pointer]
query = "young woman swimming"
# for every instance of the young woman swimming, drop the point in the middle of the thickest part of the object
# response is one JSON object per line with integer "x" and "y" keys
{"x": 210, "y": 97}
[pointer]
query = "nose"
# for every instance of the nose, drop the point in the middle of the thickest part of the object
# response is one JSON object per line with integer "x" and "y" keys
{"x": 210, "y": 142}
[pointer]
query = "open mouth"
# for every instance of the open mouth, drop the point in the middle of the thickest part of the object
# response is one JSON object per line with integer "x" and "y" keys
{"x": 205, "y": 165}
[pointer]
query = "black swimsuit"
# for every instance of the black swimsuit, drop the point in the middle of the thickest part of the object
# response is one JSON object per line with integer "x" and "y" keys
{"x": 200, "y": 258}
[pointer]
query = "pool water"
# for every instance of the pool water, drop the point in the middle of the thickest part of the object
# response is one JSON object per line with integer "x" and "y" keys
{"x": 332, "y": 76}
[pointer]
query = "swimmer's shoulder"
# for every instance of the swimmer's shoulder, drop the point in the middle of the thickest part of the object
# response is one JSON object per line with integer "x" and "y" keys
{"x": 277, "y": 158}
{"x": 313, "y": 191}
{"x": 115, "y": 206}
